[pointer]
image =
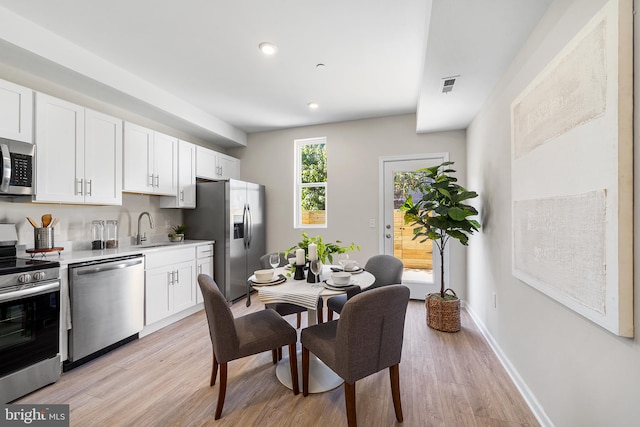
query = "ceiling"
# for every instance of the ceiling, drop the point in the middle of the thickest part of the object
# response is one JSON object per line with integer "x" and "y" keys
{"x": 195, "y": 64}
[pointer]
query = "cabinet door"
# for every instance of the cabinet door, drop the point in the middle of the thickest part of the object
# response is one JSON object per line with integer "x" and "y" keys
{"x": 205, "y": 266}
{"x": 59, "y": 150}
{"x": 165, "y": 164}
{"x": 228, "y": 167}
{"x": 103, "y": 159}
{"x": 206, "y": 163}
{"x": 183, "y": 288}
{"x": 16, "y": 112}
{"x": 138, "y": 159}
{"x": 186, "y": 175}
{"x": 157, "y": 294}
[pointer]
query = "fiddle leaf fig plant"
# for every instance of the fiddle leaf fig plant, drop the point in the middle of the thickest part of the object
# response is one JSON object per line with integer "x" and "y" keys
{"x": 442, "y": 213}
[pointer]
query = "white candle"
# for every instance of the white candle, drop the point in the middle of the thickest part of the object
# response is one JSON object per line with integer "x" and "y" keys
{"x": 313, "y": 252}
{"x": 299, "y": 256}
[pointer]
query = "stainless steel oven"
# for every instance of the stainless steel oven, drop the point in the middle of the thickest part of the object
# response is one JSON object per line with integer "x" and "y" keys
{"x": 29, "y": 322}
{"x": 18, "y": 168}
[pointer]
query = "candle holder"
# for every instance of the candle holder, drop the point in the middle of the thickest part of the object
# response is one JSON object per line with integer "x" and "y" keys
{"x": 299, "y": 273}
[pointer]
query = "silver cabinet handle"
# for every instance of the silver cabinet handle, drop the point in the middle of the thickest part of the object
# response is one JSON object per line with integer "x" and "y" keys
{"x": 150, "y": 183}
{"x": 177, "y": 276}
{"x": 170, "y": 277}
{"x": 89, "y": 187}
{"x": 79, "y": 187}
{"x": 182, "y": 195}
{"x": 157, "y": 181}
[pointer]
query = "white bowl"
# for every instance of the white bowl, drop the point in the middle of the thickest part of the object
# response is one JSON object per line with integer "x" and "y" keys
{"x": 263, "y": 275}
{"x": 350, "y": 266}
{"x": 340, "y": 278}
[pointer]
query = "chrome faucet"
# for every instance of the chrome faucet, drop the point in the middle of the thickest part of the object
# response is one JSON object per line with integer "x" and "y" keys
{"x": 140, "y": 237}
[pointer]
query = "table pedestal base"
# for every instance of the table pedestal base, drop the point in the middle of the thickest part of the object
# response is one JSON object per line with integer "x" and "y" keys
{"x": 321, "y": 378}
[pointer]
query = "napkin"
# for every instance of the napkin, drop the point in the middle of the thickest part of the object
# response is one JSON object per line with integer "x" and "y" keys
{"x": 299, "y": 293}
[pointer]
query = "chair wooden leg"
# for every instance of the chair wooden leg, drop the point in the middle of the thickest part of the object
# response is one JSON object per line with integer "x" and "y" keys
{"x": 329, "y": 315}
{"x": 274, "y": 355}
{"x": 214, "y": 371}
{"x": 394, "y": 375}
{"x": 305, "y": 371}
{"x": 293, "y": 365}
{"x": 222, "y": 391}
{"x": 298, "y": 320}
{"x": 320, "y": 316}
{"x": 350, "y": 401}
{"x": 279, "y": 353}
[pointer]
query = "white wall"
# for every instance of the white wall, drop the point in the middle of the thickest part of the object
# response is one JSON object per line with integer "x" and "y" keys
{"x": 580, "y": 374}
{"x": 353, "y": 152}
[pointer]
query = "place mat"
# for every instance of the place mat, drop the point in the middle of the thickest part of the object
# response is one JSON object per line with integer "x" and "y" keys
{"x": 293, "y": 292}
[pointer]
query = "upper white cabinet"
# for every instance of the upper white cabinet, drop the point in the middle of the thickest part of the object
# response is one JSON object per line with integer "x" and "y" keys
{"x": 150, "y": 161}
{"x": 78, "y": 154}
{"x": 186, "y": 195}
{"x": 216, "y": 166}
{"x": 16, "y": 112}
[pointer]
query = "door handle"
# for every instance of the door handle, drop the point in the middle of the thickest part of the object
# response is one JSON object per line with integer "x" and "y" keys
{"x": 388, "y": 236}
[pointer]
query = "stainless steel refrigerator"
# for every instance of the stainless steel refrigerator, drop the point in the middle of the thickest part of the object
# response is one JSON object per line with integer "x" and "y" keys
{"x": 231, "y": 213}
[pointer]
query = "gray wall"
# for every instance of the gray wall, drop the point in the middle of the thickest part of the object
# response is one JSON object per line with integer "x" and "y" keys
{"x": 580, "y": 374}
{"x": 353, "y": 152}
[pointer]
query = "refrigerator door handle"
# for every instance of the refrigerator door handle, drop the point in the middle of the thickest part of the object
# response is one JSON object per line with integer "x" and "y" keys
{"x": 249, "y": 226}
{"x": 245, "y": 226}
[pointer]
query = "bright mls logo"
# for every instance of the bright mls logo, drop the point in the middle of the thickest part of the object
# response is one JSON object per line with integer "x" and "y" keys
{"x": 35, "y": 415}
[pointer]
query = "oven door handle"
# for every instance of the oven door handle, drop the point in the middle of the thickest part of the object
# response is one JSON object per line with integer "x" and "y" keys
{"x": 36, "y": 290}
{"x": 6, "y": 168}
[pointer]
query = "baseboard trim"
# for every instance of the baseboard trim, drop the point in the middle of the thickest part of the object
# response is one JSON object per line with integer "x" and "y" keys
{"x": 525, "y": 391}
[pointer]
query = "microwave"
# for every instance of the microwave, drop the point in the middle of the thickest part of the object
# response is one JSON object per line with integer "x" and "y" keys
{"x": 18, "y": 168}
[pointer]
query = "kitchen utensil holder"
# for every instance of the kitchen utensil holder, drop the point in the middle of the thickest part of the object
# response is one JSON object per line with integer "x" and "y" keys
{"x": 43, "y": 238}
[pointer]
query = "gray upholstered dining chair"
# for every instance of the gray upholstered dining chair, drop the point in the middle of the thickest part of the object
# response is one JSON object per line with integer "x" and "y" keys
{"x": 284, "y": 309}
{"x": 367, "y": 338}
{"x": 386, "y": 269}
{"x": 246, "y": 335}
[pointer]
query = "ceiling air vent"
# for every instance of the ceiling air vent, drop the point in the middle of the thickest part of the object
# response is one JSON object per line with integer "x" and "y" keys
{"x": 448, "y": 83}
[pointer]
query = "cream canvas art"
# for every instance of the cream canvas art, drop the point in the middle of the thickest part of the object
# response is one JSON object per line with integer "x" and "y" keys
{"x": 572, "y": 173}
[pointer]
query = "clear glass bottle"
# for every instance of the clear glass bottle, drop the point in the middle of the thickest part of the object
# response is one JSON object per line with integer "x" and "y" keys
{"x": 111, "y": 234}
{"x": 97, "y": 234}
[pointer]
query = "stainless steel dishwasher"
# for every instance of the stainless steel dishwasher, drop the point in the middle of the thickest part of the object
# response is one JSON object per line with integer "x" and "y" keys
{"x": 107, "y": 306}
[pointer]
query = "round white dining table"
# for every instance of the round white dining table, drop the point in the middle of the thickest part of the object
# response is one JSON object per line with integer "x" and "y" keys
{"x": 321, "y": 377}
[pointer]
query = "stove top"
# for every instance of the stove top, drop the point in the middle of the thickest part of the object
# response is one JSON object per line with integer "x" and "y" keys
{"x": 18, "y": 265}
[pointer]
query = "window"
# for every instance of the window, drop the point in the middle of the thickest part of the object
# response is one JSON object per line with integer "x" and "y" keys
{"x": 310, "y": 207}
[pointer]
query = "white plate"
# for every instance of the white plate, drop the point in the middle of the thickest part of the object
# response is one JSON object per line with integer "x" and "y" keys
{"x": 335, "y": 285}
{"x": 356, "y": 271}
{"x": 273, "y": 281}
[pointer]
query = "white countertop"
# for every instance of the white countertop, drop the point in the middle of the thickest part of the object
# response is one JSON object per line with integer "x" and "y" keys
{"x": 75, "y": 256}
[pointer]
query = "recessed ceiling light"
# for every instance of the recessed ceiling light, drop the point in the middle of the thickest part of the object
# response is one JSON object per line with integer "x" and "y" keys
{"x": 313, "y": 105}
{"x": 268, "y": 48}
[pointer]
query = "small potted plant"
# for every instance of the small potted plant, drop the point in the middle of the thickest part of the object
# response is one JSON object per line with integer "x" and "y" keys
{"x": 325, "y": 250}
{"x": 441, "y": 214}
{"x": 177, "y": 233}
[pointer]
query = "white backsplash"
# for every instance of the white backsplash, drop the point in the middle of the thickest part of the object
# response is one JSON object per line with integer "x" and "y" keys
{"x": 73, "y": 230}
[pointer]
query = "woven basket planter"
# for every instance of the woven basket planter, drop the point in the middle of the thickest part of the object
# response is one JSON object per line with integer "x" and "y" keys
{"x": 443, "y": 315}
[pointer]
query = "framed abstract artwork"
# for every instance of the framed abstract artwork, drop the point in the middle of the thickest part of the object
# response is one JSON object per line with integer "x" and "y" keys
{"x": 572, "y": 173}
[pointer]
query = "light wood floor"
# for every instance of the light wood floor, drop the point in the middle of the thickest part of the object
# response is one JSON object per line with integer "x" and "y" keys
{"x": 163, "y": 380}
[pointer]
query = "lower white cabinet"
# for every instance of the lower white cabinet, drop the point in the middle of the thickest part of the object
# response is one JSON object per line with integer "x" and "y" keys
{"x": 169, "y": 283}
{"x": 204, "y": 265}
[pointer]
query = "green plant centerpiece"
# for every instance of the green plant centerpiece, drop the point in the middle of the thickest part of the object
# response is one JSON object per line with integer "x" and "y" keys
{"x": 176, "y": 233}
{"x": 441, "y": 214}
{"x": 325, "y": 250}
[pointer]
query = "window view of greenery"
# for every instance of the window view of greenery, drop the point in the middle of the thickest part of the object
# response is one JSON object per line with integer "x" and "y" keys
{"x": 313, "y": 184}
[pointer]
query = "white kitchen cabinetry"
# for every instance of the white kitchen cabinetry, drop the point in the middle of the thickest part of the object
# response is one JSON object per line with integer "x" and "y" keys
{"x": 216, "y": 166}
{"x": 78, "y": 154}
{"x": 186, "y": 189}
{"x": 204, "y": 265}
{"x": 150, "y": 161}
{"x": 16, "y": 112}
{"x": 169, "y": 283}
